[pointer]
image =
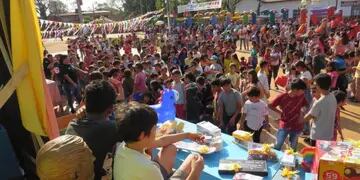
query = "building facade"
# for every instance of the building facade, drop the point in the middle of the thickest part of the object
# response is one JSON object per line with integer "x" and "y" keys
{"x": 349, "y": 7}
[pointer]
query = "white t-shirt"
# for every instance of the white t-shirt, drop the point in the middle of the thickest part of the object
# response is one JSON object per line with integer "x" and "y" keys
{"x": 275, "y": 58}
{"x": 263, "y": 80}
{"x": 130, "y": 164}
{"x": 324, "y": 111}
{"x": 305, "y": 75}
{"x": 255, "y": 114}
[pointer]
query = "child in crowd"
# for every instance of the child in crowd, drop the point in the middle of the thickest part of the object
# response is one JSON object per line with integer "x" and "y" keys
{"x": 263, "y": 78}
{"x": 229, "y": 107}
{"x": 331, "y": 71}
{"x": 341, "y": 101}
{"x": 139, "y": 82}
{"x": 127, "y": 84}
{"x": 136, "y": 139}
{"x": 323, "y": 111}
{"x": 179, "y": 86}
{"x": 291, "y": 75}
{"x": 290, "y": 104}
{"x": 254, "y": 114}
{"x": 233, "y": 76}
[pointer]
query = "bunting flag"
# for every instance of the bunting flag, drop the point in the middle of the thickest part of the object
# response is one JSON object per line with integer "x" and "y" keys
{"x": 24, "y": 50}
{"x": 52, "y": 28}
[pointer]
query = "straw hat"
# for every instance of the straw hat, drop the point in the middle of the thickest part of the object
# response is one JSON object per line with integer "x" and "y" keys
{"x": 65, "y": 158}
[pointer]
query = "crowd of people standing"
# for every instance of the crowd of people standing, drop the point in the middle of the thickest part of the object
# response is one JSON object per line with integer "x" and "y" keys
{"x": 215, "y": 81}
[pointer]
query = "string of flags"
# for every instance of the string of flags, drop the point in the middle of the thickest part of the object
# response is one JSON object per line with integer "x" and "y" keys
{"x": 51, "y": 29}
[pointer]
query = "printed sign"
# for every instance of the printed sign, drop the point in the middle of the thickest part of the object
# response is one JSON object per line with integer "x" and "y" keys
{"x": 192, "y": 6}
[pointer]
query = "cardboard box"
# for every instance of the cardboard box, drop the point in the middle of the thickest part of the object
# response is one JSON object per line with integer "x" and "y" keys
{"x": 278, "y": 176}
{"x": 255, "y": 167}
{"x": 288, "y": 160}
{"x": 255, "y": 152}
{"x": 338, "y": 161}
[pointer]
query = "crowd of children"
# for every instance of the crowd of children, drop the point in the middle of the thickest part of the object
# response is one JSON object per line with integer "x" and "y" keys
{"x": 202, "y": 64}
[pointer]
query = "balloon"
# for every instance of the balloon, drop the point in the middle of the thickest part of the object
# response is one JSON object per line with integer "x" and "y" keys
{"x": 166, "y": 109}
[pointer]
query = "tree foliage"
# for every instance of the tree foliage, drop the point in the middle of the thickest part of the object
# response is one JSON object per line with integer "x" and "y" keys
{"x": 133, "y": 8}
{"x": 230, "y": 5}
{"x": 42, "y": 7}
{"x": 57, "y": 7}
{"x": 116, "y": 13}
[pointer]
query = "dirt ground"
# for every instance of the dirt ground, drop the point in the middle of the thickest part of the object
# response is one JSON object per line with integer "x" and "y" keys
{"x": 350, "y": 117}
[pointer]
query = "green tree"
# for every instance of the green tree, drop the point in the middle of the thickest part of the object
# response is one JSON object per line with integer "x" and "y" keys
{"x": 230, "y": 5}
{"x": 57, "y": 7}
{"x": 134, "y": 8}
{"x": 115, "y": 13}
{"x": 159, "y": 4}
{"x": 42, "y": 7}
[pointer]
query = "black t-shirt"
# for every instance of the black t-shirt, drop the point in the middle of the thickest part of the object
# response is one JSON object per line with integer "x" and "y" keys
{"x": 69, "y": 70}
{"x": 47, "y": 71}
{"x": 194, "y": 104}
{"x": 99, "y": 134}
{"x": 318, "y": 63}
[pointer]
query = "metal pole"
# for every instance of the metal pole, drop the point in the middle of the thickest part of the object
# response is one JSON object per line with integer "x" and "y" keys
{"x": 309, "y": 8}
{"x": 79, "y": 3}
{"x": 168, "y": 14}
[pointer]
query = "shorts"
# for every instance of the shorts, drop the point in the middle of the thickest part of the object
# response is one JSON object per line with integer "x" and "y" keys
{"x": 177, "y": 175}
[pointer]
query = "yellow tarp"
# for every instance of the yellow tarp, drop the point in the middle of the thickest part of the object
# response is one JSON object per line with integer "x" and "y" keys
{"x": 34, "y": 100}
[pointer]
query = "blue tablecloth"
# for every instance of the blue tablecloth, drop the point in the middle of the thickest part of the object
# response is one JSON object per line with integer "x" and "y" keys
{"x": 230, "y": 151}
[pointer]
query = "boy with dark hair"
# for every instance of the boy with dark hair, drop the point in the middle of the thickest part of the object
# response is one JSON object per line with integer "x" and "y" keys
{"x": 290, "y": 104}
{"x": 254, "y": 115}
{"x": 127, "y": 84}
{"x": 137, "y": 129}
{"x": 139, "y": 82}
{"x": 229, "y": 107}
{"x": 193, "y": 103}
{"x": 323, "y": 111}
{"x": 96, "y": 129}
{"x": 341, "y": 100}
{"x": 179, "y": 86}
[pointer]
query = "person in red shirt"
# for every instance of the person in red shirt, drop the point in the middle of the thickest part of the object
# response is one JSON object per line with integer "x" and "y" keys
{"x": 290, "y": 104}
{"x": 127, "y": 48}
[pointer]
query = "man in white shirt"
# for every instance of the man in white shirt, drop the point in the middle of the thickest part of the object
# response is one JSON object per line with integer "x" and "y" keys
{"x": 137, "y": 129}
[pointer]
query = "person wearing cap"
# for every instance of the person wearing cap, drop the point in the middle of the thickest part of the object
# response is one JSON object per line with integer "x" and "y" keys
{"x": 65, "y": 157}
{"x": 214, "y": 67}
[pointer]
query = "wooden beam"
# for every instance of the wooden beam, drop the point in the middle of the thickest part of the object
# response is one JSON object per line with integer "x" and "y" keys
{"x": 13, "y": 83}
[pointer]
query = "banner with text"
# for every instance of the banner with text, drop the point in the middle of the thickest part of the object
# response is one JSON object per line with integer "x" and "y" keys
{"x": 192, "y": 6}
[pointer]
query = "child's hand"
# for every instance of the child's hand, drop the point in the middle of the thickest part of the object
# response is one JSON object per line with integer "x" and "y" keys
{"x": 196, "y": 137}
{"x": 238, "y": 126}
{"x": 81, "y": 112}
